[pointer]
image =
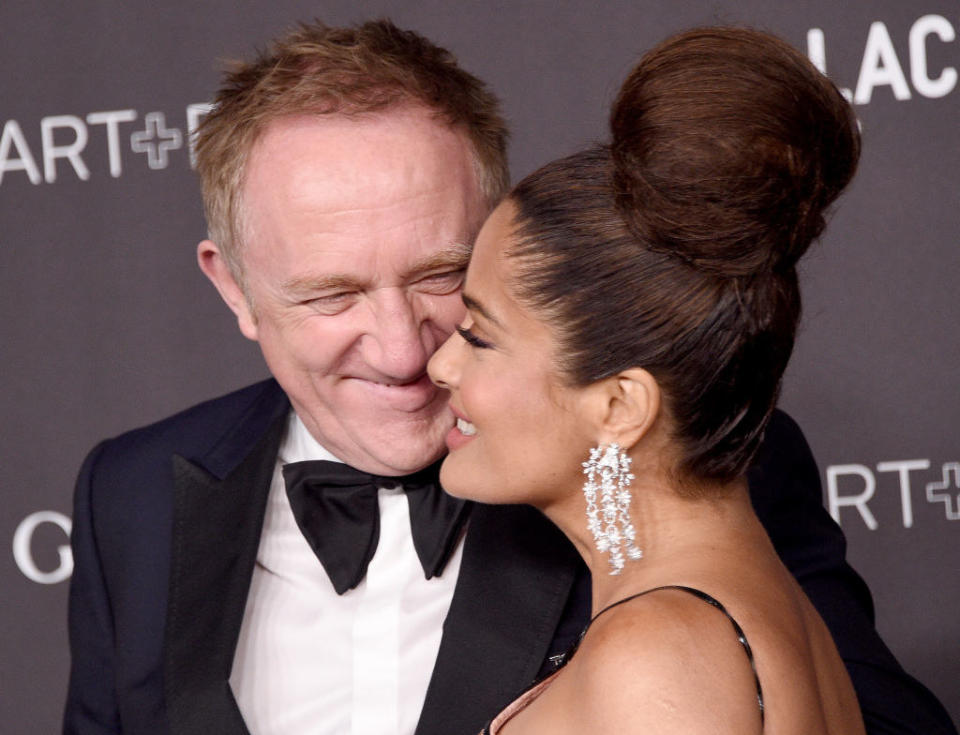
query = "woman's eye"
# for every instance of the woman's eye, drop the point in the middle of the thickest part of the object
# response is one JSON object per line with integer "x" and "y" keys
{"x": 473, "y": 340}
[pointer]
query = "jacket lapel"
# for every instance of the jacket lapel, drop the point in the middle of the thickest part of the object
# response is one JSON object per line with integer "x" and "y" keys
{"x": 507, "y": 611}
{"x": 219, "y": 505}
{"x": 515, "y": 581}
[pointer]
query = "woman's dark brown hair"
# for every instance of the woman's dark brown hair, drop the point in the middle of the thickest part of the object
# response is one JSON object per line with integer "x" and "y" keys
{"x": 674, "y": 249}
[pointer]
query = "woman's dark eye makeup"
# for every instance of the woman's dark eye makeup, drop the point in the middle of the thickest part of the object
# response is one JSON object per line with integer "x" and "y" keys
{"x": 473, "y": 340}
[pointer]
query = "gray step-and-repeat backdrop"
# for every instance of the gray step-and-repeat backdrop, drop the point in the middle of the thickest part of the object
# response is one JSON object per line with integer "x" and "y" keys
{"x": 107, "y": 324}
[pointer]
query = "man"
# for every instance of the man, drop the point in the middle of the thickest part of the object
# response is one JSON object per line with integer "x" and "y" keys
{"x": 345, "y": 174}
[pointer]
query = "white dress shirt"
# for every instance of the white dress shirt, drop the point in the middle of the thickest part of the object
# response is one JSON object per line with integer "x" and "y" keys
{"x": 312, "y": 661}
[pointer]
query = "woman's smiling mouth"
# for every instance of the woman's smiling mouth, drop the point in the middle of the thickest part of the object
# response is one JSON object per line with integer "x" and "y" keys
{"x": 461, "y": 432}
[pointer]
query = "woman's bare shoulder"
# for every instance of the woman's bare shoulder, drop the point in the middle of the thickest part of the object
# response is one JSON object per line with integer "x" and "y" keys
{"x": 665, "y": 662}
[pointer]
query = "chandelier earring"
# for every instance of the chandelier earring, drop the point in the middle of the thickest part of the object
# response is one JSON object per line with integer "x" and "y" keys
{"x": 607, "y": 492}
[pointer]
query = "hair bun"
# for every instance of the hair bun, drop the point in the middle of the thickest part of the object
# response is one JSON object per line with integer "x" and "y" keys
{"x": 728, "y": 146}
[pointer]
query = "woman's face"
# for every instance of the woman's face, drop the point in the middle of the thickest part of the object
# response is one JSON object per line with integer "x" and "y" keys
{"x": 519, "y": 436}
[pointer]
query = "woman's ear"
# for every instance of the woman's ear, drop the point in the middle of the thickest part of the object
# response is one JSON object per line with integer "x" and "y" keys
{"x": 629, "y": 404}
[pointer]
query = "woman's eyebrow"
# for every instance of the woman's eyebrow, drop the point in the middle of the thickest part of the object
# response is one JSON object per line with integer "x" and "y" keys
{"x": 473, "y": 305}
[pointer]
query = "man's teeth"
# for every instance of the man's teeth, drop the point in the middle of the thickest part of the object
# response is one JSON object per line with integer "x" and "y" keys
{"x": 466, "y": 428}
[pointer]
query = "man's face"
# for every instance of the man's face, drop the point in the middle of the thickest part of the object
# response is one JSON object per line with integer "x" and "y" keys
{"x": 356, "y": 237}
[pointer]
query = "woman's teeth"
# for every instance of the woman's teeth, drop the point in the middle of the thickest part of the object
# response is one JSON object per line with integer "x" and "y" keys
{"x": 466, "y": 428}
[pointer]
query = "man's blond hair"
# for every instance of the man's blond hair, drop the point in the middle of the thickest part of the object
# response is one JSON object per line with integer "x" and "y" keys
{"x": 316, "y": 69}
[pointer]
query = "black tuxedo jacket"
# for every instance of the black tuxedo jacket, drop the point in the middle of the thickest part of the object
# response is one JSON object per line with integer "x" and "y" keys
{"x": 166, "y": 526}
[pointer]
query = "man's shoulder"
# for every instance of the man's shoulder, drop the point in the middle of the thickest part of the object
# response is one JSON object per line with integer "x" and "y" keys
{"x": 222, "y": 411}
{"x": 782, "y": 428}
{"x": 199, "y": 430}
{"x": 784, "y": 456}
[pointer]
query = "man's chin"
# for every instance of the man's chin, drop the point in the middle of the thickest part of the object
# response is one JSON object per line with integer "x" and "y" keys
{"x": 376, "y": 437}
{"x": 399, "y": 447}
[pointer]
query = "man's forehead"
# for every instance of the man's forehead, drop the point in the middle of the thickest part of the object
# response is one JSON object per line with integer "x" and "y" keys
{"x": 336, "y": 133}
{"x": 338, "y": 161}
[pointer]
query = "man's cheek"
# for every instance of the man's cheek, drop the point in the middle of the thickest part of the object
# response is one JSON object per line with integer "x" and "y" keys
{"x": 446, "y": 311}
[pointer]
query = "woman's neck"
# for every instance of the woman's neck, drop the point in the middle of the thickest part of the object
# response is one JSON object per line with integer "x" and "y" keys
{"x": 677, "y": 534}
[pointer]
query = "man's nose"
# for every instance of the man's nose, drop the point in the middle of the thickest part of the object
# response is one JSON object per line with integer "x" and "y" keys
{"x": 402, "y": 342}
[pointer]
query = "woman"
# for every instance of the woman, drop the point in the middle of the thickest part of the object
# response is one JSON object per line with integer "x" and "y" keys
{"x": 631, "y": 310}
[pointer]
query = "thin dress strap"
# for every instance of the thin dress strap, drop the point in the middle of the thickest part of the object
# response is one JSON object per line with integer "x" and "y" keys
{"x": 710, "y": 600}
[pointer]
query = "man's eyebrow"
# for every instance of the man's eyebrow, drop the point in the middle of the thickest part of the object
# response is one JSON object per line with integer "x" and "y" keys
{"x": 314, "y": 284}
{"x": 473, "y": 305}
{"x": 453, "y": 258}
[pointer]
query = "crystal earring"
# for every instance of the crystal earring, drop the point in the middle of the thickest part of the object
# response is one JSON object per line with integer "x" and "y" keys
{"x": 608, "y": 472}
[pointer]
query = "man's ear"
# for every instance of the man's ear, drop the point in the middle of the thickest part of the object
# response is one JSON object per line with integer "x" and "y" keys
{"x": 628, "y": 406}
{"x": 214, "y": 267}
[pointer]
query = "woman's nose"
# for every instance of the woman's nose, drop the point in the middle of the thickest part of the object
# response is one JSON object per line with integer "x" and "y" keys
{"x": 442, "y": 367}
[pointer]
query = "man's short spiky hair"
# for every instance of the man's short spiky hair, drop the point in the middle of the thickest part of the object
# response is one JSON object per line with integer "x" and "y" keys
{"x": 316, "y": 69}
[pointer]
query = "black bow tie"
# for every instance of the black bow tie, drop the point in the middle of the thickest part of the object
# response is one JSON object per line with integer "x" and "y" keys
{"x": 337, "y": 510}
